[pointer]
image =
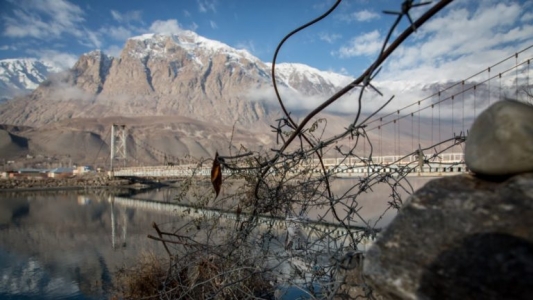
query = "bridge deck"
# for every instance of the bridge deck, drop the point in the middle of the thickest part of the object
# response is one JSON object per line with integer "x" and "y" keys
{"x": 449, "y": 163}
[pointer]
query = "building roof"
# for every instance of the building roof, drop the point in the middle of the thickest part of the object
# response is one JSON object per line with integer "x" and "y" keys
{"x": 62, "y": 170}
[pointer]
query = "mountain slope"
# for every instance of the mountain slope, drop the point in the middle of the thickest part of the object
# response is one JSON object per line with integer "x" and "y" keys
{"x": 149, "y": 140}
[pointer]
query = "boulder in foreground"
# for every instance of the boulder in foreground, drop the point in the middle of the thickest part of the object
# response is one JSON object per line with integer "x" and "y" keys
{"x": 500, "y": 142}
{"x": 458, "y": 237}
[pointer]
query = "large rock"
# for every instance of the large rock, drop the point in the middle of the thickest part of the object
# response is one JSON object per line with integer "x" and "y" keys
{"x": 458, "y": 237}
{"x": 500, "y": 141}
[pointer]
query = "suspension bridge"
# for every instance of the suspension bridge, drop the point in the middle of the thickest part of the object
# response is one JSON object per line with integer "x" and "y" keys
{"x": 426, "y": 134}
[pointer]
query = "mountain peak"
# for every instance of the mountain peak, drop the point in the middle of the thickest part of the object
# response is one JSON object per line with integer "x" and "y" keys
{"x": 189, "y": 41}
{"x": 17, "y": 60}
{"x": 98, "y": 55}
{"x": 306, "y": 78}
{"x": 96, "y": 52}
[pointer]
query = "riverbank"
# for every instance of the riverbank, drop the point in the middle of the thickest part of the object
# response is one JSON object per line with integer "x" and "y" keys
{"x": 82, "y": 182}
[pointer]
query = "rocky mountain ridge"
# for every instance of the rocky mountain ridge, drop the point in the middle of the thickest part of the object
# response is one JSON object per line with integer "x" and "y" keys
{"x": 155, "y": 75}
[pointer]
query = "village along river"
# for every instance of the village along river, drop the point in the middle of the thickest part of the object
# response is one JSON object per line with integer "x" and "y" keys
{"x": 68, "y": 244}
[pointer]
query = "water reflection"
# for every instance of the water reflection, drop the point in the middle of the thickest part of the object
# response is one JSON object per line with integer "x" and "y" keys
{"x": 20, "y": 276}
{"x": 67, "y": 244}
{"x": 373, "y": 204}
{"x": 74, "y": 239}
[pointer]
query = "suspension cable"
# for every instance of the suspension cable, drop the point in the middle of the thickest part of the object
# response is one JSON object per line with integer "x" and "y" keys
{"x": 412, "y": 131}
{"x": 418, "y": 123}
{"x": 489, "y": 84}
{"x": 432, "y": 112}
{"x": 463, "y": 100}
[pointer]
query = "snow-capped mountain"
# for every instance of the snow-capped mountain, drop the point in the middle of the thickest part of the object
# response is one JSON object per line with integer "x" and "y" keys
{"x": 183, "y": 74}
{"x": 309, "y": 80}
{"x": 21, "y": 76}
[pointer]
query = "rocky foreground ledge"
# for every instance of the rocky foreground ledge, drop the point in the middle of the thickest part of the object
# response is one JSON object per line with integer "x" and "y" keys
{"x": 458, "y": 237}
{"x": 62, "y": 183}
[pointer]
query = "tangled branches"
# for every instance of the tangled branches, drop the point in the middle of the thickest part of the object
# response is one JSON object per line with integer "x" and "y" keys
{"x": 288, "y": 225}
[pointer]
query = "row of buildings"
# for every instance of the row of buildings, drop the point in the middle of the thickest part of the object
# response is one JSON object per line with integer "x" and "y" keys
{"x": 63, "y": 172}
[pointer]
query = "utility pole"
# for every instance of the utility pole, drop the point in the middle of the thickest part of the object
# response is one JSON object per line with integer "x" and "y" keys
{"x": 118, "y": 144}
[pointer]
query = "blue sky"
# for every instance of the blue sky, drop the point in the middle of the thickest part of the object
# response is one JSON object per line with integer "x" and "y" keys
{"x": 476, "y": 33}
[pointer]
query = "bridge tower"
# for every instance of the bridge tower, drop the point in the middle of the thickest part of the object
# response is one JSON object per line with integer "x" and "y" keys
{"x": 118, "y": 143}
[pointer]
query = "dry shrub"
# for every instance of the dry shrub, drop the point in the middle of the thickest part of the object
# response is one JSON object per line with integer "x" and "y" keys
{"x": 207, "y": 277}
{"x": 220, "y": 278}
{"x": 145, "y": 280}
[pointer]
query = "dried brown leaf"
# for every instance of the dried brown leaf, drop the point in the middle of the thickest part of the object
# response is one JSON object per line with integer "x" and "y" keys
{"x": 216, "y": 175}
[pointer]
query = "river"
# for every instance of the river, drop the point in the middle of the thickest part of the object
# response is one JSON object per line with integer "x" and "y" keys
{"x": 68, "y": 244}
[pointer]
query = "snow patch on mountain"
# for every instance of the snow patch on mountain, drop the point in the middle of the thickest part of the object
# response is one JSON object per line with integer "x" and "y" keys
{"x": 105, "y": 59}
{"x": 295, "y": 71}
{"x": 21, "y": 76}
{"x": 155, "y": 45}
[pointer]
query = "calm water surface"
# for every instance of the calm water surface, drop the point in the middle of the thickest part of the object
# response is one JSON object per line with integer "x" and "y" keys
{"x": 68, "y": 244}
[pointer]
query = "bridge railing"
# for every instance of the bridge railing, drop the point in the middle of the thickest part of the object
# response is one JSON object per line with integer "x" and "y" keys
{"x": 335, "y": 165}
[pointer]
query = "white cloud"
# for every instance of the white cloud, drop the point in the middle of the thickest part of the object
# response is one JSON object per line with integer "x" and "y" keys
{"x": 28, "y": 20}
{"x": 116, "y": 15}
{"x": 7, "y": 47}
{"x": 62, "y": 60}
{"x": 206, "y": 5}
{"x": 113, "y": 50}
{"x": 329, "y": 37}
{"x": 342, "y": 71}
{"x": 247, "y": 45}
{"x": 186, "y": 13}
{"x": 213, "y": 24}
{"x": 126, "y": 29}
{"x": 462, "y": 41}
{"x": 48, "y": 19}
{"x": 193, "y": 26}
{"x": 127, "y": 17}
{"x": 364, "y": 45}
{"x": 94, "y": 39}
{"x": 170, "y": 26}
{"x": 364, "y": 15}
{"x": 119, "y": 33}
{"x": 527, "y": 17}
{"x": 321, "y": 5}
{"x": 62, "y": 91}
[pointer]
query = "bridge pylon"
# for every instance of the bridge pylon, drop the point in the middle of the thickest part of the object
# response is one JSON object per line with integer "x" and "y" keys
{"x": 118, "y": 144}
